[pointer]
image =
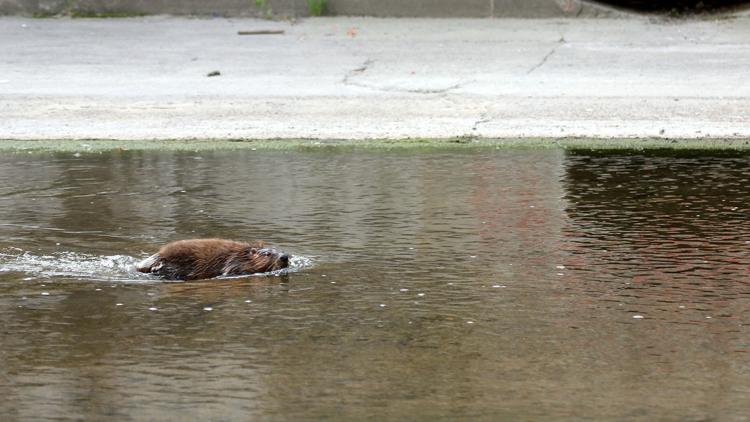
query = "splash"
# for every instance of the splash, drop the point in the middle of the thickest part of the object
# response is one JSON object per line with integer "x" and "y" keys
{"x": 71, "y": 265}
{"x": 298, "y": 263}
{"x": 96, "y": 267}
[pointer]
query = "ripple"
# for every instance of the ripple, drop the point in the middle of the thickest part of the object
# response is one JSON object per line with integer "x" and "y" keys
{"x": 72, "y": 264}
{"x": 119, "y": 268}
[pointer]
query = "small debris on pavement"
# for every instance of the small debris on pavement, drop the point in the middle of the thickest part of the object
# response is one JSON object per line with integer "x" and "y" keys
{"x": 262, "y": 32}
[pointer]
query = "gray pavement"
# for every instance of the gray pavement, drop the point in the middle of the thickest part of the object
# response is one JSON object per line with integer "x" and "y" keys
{"x": 359, "y": 78}
{"x": 299, "y": 8}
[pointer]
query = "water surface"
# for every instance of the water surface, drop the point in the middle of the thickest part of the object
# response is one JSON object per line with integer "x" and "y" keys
{"x": 484, "y": 284}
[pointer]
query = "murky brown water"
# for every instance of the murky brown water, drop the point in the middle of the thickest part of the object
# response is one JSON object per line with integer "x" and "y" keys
{"x": 510, "y": 284}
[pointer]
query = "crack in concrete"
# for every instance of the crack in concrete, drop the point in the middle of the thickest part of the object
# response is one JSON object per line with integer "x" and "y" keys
{"x": 428, "y": 91}
{"x": 357, "y": 71}
{"x": 483, "y": 118}
{"x": 541, "y": 63}
{"x": 347, "y": 80}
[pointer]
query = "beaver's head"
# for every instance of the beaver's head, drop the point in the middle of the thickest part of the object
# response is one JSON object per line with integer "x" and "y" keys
{"x": 270, "y": 259}
{"x": 257, "y": 260}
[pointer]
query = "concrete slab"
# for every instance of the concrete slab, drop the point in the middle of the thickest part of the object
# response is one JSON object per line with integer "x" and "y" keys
{"x": 299, "y": 8}
{"x": 145, "y": 78}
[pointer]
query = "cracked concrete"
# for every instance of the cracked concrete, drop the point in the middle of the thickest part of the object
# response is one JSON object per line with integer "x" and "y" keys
{"x": 483, "y": 118}
{"x": 357, "y": 78}
{"x": 547, "y": 56}
{"x": 354, "y": 72}
{"x": 347, "y": 80}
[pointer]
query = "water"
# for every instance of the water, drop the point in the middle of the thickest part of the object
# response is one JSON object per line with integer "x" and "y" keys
{"x": 508, "y": 284}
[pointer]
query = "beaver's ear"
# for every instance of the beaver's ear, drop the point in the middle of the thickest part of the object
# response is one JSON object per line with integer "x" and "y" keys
{"x": 251, "y": 251}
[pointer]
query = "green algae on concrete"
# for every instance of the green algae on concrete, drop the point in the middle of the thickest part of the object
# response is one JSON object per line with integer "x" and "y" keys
{"x": 104, "y": 145}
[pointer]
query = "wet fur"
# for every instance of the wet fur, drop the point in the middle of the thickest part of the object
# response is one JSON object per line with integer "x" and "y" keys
{"x": 208, "y": 258}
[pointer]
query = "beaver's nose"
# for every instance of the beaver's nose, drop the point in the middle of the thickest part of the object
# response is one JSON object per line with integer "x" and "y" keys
{"x": 284, "y": 257}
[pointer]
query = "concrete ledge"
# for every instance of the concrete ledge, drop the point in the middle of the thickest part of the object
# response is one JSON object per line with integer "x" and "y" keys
{"x": 98, "y": 146}
{"x": 299, "y": 8}
{"x": 366, "y": 78}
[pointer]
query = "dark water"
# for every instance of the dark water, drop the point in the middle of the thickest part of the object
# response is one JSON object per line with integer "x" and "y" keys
{"x": 509, "y": 284}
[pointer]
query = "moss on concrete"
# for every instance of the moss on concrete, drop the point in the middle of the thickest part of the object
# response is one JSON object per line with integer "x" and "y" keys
{"x": 102, "y": 145}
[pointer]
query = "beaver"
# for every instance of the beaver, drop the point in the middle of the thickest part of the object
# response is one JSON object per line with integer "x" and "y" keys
{"x": 196, "y": 259}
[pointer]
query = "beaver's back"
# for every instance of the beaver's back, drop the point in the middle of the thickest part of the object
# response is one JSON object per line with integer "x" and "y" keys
{"x": 194, "y": 258}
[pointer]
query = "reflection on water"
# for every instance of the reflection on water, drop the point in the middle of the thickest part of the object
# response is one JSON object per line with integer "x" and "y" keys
{"x": 488, "y": 284}
{"x": 655, "y": 234}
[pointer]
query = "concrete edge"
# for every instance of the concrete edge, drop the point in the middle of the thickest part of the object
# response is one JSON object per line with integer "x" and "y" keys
{"x": 115, "y": 145}
{"x": 294, "y": 9}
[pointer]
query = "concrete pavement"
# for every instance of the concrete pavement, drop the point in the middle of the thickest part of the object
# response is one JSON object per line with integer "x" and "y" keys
{"x": 358, "y": 78}
{"x": 300, "y": 8}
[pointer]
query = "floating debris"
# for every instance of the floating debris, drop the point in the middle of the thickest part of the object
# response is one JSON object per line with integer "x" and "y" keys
{"x": 637, "y": 316}
{"x": 213, "y": 73}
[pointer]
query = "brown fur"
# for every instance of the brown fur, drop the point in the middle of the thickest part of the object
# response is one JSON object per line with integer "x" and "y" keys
{"x": 208, "y": 258}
